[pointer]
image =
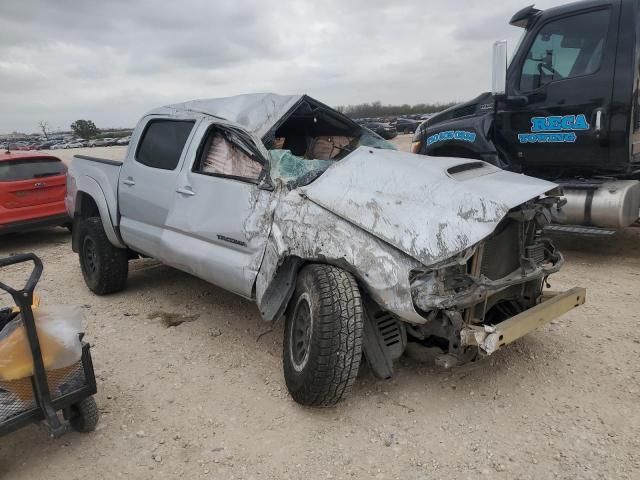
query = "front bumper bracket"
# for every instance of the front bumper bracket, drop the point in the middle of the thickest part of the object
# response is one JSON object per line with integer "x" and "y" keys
{"x": 490, "y": 338}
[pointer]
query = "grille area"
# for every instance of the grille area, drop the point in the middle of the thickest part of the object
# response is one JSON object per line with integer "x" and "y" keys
{"x": 501, "y": 252}
{"x": 464, "y": 111}
{"x": 535, "y": 252}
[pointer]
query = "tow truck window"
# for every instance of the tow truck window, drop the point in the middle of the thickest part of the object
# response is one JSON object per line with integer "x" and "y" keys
{"x": 565, "y": 48}
{"x": 162, "y": 143}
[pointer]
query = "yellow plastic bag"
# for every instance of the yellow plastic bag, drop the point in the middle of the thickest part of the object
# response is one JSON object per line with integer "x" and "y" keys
{"x": 58, "y": 328}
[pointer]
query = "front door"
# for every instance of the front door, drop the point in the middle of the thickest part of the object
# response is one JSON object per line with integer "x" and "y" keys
{"x": 148, "y": 181}
{"x": 220, "y": 218}
{"x": 565, "y": 72}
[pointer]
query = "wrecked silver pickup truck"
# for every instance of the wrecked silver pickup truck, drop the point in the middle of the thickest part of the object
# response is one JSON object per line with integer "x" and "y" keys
{"x": 361, "y": 248}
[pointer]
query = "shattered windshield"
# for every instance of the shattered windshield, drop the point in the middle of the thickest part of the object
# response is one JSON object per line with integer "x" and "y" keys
{"x": 370, "y": 139}
{"x": 290, "y": 168}
{"x": 297, "y": 170}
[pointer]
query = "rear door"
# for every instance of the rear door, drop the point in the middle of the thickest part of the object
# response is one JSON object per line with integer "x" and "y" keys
{"x": 148, "y": 180}
{"x": 31, "y": 188}
{"x": 566, "y": 72}
{"x": 220, "y": 218}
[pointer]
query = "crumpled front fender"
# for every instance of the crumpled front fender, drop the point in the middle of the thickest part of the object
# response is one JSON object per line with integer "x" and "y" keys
{"x": 304, "y": 232}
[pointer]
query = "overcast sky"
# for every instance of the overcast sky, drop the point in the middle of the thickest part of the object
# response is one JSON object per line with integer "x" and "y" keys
{"x": 112, "y": 60}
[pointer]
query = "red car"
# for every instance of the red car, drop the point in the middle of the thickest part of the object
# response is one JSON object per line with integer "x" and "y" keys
{"x": 32, "y": 190}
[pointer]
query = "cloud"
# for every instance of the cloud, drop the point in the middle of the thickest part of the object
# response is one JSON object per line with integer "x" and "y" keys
{"x": 110, "y": 61}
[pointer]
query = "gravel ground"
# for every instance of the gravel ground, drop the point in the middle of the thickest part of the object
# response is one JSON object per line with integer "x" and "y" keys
{"x": 207, "y": 399}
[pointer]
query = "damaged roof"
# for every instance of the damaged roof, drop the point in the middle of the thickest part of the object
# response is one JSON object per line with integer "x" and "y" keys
{"x": 259, "y": 113}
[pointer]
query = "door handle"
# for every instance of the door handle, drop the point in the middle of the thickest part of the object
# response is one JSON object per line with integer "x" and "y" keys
{"x": 599, "y": 125}
{"x": 186, "y": 191}
{"x": 129, "y": 181}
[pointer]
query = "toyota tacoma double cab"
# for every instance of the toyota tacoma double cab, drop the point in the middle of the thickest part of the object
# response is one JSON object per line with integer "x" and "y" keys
{"x": 360, "y": 247}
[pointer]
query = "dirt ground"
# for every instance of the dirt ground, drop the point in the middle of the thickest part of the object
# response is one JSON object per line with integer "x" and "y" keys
{"x": 207, "y": 399}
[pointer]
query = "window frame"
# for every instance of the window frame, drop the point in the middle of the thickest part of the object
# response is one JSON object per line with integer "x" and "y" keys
{"x": 151, "y": 121}
{"x": 540, "y": 27}
{"x": 200, "y": 152}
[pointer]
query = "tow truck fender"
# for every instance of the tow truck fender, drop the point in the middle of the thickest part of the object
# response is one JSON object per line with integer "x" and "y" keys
{"x": 471, "y": 134}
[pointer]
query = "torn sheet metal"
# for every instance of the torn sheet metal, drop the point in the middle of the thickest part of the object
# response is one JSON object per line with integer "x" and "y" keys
{"x": 417, "y": 204}
{"x": 305, "y": 230}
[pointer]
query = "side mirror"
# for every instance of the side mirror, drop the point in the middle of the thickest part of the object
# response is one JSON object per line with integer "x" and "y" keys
{"x": 499, "y": 69}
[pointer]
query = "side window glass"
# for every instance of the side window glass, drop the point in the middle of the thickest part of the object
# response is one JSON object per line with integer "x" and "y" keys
{"x": 565, "y": 48}
{"x": 222, "y": 157}
{"x": 162, "y": 143}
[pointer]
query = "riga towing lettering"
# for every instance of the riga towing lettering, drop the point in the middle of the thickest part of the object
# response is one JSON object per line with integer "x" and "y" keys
{"x": 555, "y": 129}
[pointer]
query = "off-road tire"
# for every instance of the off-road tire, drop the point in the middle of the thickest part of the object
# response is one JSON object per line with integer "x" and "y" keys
{"x": 84, "y": 415}
{"x": 324, "y": 375}
{"x": 105, "y": 268}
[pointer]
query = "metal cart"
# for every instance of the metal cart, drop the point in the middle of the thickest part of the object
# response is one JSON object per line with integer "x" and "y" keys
{"x": 40, "y": 397}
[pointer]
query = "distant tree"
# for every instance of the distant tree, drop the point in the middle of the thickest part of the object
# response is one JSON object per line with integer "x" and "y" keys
{"x": 376, "y": 109}
{"x": 44, "y": 126}
{"x": 84, "y": 129}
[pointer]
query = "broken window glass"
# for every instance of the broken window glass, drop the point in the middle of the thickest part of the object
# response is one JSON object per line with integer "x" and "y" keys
{"x": 225, "y": 158}
{"x": 289, "y": 167}
{"x": 370, "y": 139}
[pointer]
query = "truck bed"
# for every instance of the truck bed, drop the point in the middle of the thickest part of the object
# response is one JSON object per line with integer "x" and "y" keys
{"x": 104, "y": 173}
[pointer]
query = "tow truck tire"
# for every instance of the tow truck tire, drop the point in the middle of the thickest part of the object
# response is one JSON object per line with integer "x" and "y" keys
{"x": 104, "y": 267}
{"x": 323, "y": 336}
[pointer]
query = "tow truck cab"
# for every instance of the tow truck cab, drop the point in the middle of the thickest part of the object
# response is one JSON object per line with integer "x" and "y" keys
{"x": 565, "y": 109}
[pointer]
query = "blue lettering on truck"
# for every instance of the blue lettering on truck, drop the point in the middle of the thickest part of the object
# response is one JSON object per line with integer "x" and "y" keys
{"x": 554, "y": 129}
{"x": 452, "y": 135}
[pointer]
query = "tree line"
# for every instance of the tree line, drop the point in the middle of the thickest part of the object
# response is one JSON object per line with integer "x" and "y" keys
{"x": 87, "y": 129}
{"x": 376, "y": 109}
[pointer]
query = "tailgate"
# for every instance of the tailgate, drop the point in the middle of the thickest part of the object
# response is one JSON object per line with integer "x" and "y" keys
{"x": 28, "y": 193}
{"x": 27, "y": 182}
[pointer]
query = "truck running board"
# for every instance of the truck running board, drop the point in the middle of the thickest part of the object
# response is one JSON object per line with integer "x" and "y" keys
{"x": 580, "y": 230}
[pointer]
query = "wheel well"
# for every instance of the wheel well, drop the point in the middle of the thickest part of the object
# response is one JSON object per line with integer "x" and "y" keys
{"x": 87, "y": 206}
{"x": 275, "y": 300}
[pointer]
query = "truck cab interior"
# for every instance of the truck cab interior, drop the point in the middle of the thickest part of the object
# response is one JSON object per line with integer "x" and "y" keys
{"x": 312, "y": 130}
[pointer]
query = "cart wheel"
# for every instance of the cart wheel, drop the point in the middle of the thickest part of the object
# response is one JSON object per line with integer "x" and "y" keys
{"x": 84, "y": 415}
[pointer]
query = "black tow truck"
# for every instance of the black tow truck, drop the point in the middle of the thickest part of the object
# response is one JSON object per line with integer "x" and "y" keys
{"x": 565, "y": 108}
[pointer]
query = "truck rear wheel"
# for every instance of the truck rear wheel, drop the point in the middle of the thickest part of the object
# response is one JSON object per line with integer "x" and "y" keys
{"x": 104, "y": 267}
{"x": 323, "y": 336}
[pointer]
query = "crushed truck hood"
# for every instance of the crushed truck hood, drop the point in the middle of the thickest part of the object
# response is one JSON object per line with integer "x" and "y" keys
{"x": 431, "y": 208}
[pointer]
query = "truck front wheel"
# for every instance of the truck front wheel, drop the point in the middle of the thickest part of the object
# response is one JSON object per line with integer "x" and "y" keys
{"x": 323, "y": 336}
{"x": 104, "y": 267}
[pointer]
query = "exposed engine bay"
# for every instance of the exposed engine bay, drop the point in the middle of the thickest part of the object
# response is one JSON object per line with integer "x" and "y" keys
{"x": 465, "y": 297}
{"x": 498, "y": 279}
